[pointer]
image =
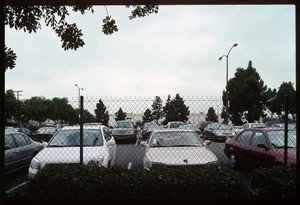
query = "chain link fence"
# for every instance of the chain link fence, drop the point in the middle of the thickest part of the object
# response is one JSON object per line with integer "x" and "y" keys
{"x": 139, "y": 110}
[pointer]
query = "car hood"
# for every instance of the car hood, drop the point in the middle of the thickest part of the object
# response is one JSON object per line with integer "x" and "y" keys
{"x": 181, "y": 155}
{"x": 55, "y": 155}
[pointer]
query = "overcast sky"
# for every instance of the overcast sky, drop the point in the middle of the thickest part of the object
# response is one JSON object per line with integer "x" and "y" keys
{"x": 173, "y": 51}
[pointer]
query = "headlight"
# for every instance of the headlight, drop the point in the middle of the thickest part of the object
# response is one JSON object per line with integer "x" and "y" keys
{"x": 97, "y": 161}
{"x": 35, "y": 164}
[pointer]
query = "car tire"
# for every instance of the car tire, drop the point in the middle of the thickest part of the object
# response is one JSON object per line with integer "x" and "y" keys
{"x": 232, "y": 161}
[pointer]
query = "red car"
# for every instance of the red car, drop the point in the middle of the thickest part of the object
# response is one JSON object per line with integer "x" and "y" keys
{"x": 261, "y": 147}
{"x": 203, "y": 124}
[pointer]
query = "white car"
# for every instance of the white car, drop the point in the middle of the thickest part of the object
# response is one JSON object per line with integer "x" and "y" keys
{"x": 176, "y": 147}
{"x": 99, "y": 147}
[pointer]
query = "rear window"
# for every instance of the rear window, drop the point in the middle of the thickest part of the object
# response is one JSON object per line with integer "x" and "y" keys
{"x": 91, "y": 137}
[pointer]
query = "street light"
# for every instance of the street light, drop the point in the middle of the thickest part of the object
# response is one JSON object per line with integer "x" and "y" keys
{"x": 226, "y": 100}
{"x": 78, "y": 95}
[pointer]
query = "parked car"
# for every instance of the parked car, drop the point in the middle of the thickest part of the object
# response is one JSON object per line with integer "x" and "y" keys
{"x": 249, "y": 125}
{"x": 192, "y": 127}
{"x": 24, "y": 130}
{"x": 148, "y": 127}
{"x": 203, "y": 124}
{"x": 124, "y": 130}
{"x": 290, "y": 125}
{"x": 19, "y": 150}
{"x": 44, "y": 134}
{"x": 218, "y": 131}
{"x": 99, "y": 148}
{"x": 261, "y": 147}
{"x": 174, "y": 124}
{"x": 176, "y": 147}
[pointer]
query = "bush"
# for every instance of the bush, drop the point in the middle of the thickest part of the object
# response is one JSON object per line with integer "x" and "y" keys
{"x": 274, "y": 183}
{"x": 80, "y": 182}
{"x": 196, "y": 183}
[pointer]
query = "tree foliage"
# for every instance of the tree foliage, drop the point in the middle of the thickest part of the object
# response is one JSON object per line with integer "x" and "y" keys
{"x": 211, "y": 115}
{"x": 245, "y": 92}
{"x": 29, "y": 17}
{"x": 157, "y": 111}
{"x": 102, "y": 114}
{"x": 12, "y": 106}
{"x": 175, "y": 110}
{"x": 120, "y": 115}
{"x": 285, "y": 98}
{"x": 147, "y": 117}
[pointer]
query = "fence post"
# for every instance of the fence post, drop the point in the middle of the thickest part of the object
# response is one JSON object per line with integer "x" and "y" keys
{"x": 285, "y": 129}
{"x": 81, "y": 129}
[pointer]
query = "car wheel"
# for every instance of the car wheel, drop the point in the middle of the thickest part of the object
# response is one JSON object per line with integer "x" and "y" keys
{"x": 232, "y": 161}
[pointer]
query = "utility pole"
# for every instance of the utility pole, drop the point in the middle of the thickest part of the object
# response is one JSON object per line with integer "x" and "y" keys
{"x": 18, "y": 93}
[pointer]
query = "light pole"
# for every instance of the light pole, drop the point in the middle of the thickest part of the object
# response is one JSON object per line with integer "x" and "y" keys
{"x": 226, "y": 100}
{"x": 78, "y": 95}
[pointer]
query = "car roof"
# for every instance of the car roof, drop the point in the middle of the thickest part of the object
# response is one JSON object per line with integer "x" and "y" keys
{"x": 72, "y": 127}
{"x": 173, "y": 129}
{"x": 267, "y": 128}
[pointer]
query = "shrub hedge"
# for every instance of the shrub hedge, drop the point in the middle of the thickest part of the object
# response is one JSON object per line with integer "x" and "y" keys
{"x": 197, "y": 183}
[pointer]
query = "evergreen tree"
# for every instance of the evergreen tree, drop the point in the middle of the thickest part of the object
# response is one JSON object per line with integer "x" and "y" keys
{"x": 157, "y": 108}
{"x": 120, "y": 115}
{"x": 211, "y": 115}
{"x": 102, "y": 114}
{"x": 245, "y": 92}
{"x": 12, "y": 106}
{"x": 286, "y": 94}
{"x": 175, "y": 110}
{"x": 147, "y": 117}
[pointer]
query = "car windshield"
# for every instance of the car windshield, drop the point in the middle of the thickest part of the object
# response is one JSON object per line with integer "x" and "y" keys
{"x": 258, "y": 125}
{"x": 123, "y": 125}
{"x": 91, "y": 137}
{"x": 221, "y": 126}
{"x": 46, "y": 130}
{"x": 175, "y": 139}
{"x": 151, "y": 125}
{"x": 277, "y": 138}
{"x": 175, "y": 124}
{"x": 191, "y": 127}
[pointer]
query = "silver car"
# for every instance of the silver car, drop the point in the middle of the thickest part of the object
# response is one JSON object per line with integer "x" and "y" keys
{"x": 176, "y": 147}
{"x": 19, "y": 150}
{"x": 99, "y": 148}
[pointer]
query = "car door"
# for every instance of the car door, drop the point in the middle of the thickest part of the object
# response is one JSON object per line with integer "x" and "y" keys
{"x": 10, "y": 156}
{"x": 242, "y": 146}
{"x": 24, "y": 149}
{"x": 260, "y": 150}
{"x": 19, "y": 153}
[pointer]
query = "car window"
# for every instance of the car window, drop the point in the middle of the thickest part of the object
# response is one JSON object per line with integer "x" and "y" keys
{"x": 163, "y": 139}
{"x": 21, "y": 140}
{"x": 124, "y": 125}
{"x": 259, "y": 138}
{"x": 47, "y": 130}
{"x": 9, "y": 140}
{"x": 277, "y": 138}
{"x": 107, "y": 134}
{"x": 244, "y": 137}
{"x": 91, "y": 137}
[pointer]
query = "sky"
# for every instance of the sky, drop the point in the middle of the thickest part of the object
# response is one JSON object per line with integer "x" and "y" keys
{"x": 173, "y": 51}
